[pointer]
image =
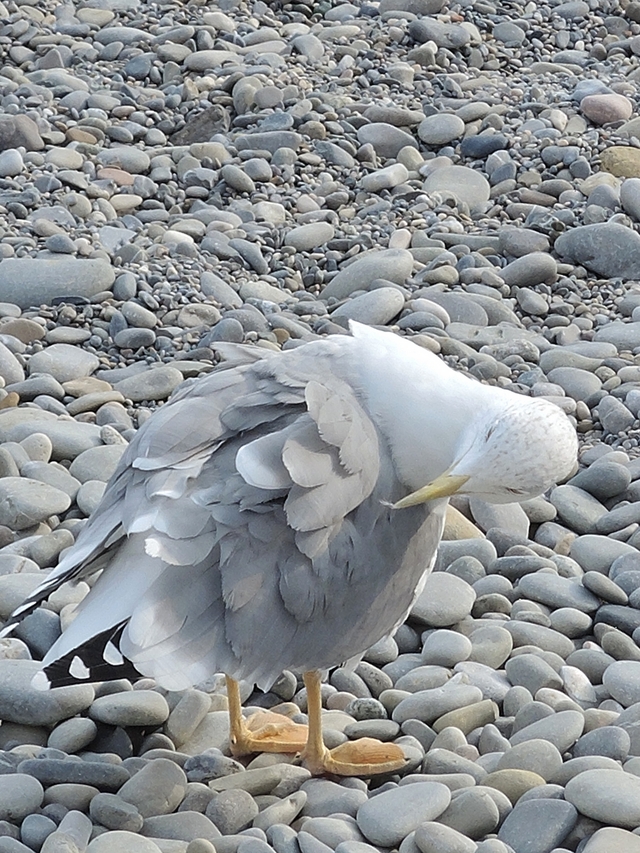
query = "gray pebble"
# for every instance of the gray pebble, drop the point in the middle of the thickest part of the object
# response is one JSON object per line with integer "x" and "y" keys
{"x": 115, "y": 813}
{"x": 156, "y": 789}
{"x": 472, "y": 812}
{"x": 376, "y": 308}
{"x": 434, "y": 837}
{"x": 395, "y": 265}
{"x": 20, "y": 795}
{"x": 609, "y": 796}
{"x": 610, "y": 741}
{"x": 444, "y": 601}
{"x": 562, "y": 730}
{"x": 429, "y": 705}
{"x": 622, "y": 680}
{"x": 387, "y": 818}
{"x": 37, "y": 281}
{"x": 553, "y": 819}
{"x": 182, "y": 826}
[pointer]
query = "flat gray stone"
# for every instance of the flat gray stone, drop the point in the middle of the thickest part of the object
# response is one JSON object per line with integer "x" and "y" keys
{"x": 20, "y": 795}
{"x": 537, "y": 755}
{"x": 130, "y": 708}
{"x": 155, "y": 384}
{"x": 533, "y": 269}
{"x": 597, "y": 553}
{"x": 386, "y": 139}
{"x": 97, "y": 463}
{"x": 431, "y": 836}
{"x": 610, "y": 741}
{"x": 22, "y": 703}
{"x": 553, "y": 821}
{"x": 109, "y": 842}
{"x": 387, "y": 818}
{"x": 445, "y": 600}
{"x": 375, "y": 308}
{"x": 440, "y": 129}
{"x": 622, "y": 680}
{"x": 467, "y": 185}
{"x": 428, "y": 705}
{"x": 232, "y": 811}
{"x": 611, "y": 839}
{"x": 609, "y": 796}
{"x": 577, "y": 508}
{"x": 182, "y": 826}
{"x": 609, "y": 249}
{"x": 304, "y": 238}
{"x": 64, "y": 362}
{"x": 156, "y": 789}
{"x": 25, "y": 502}
{"x": 562, "y": 730}
{"x": 603, "y": 479}
{"x": 576, "y": 383}
{"x": 556, "y": 591}
{"x": 36, "y": 281}
{"x": 630, "y": 197}
{"x": 472, "y": 811}
{"x": 532, "y": 672}
{"x": 394, "y": 265}
{"x": 624, "y": 336}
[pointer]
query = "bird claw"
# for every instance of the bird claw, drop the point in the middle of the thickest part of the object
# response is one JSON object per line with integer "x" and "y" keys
{"x": 265, "y": 731}
{"x": 364, "y": 757}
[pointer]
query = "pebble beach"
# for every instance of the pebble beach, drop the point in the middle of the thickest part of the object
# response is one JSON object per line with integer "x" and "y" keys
{"x": 175, "y": 176}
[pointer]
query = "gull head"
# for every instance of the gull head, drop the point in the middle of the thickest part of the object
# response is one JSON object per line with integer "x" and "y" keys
{"x": 512, "y": 452}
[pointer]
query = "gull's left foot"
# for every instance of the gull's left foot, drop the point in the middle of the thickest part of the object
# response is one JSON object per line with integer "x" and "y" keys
{"x": 265, "y": 731}
{"x": 364, "y": 757}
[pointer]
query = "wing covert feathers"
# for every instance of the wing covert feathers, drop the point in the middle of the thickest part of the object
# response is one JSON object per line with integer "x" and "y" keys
{"x": 240, "y": 527}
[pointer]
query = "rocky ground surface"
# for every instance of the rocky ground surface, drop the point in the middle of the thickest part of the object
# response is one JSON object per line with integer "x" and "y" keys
{"x": 468, "y": 174}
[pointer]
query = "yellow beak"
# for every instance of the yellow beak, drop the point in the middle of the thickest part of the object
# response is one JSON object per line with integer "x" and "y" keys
{"x": 442, "y": 487}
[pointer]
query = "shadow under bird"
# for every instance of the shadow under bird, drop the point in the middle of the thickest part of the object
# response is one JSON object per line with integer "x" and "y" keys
{"x": 283, "y": 512}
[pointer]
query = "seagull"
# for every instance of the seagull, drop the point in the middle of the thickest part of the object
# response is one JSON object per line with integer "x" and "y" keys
{"x": 284, "y": 512}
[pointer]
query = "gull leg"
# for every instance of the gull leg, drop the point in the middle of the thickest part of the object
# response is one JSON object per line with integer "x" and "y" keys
{"x": 363, "y": 757}
{"x": 263, "y": 731}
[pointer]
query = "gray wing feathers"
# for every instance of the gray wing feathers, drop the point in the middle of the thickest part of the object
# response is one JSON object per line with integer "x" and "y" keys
{"x": 234, "y": 517}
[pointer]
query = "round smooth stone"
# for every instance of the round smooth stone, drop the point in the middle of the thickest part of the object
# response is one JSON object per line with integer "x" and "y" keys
{"x": 325, "y": 798}
{"x": 610, "y": 741}
{"x": 446, "y": 648}
{"x": 467, "y": 185}
{"x": 20, "y": 795}
{"x": 514, "y": 783}
{"x": 304, "y": 238}
{"x": 561, "y": 729}
{"x": 491, "y": 645}
{"x": 130, "y": 708}
{"x": 553, "y": 821}
{"x": 538, "y": 756}
{"x": 156, "y": 789}
{"x": 472, "y": 812}
{"x": 445, "y": 600}
{"x": 610, "y": 796}
{"x": 433, "y": 837}
{"x": 610, "y": 839}
{"x": 440, "y": 129}
{"x": 109, "y": 842}
{"x": 622, "y": 680}
{"x": 387, "y": 818}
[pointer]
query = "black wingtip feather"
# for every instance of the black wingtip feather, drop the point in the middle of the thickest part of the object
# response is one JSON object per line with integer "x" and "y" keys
{"x": 90, "y": 656}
